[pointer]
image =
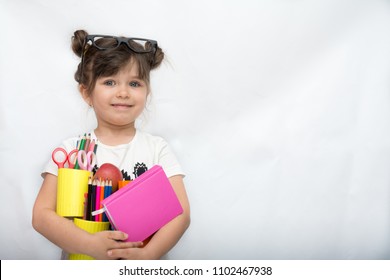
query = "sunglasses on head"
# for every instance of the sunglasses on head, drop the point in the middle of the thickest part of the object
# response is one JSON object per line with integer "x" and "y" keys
{"x": 137, "y": 45}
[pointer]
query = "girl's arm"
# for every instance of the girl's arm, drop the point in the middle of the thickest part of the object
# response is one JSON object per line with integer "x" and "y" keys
{"x": 62, "y": 231}
{"x": 165, "y": 238}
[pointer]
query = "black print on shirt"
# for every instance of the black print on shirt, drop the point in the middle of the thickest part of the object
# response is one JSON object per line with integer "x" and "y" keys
{"x": 139, "y": 168}
{"x": 125, "y": 176}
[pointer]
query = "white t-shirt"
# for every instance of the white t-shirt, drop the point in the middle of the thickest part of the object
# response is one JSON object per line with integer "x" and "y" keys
{"x": 134, "y": 158}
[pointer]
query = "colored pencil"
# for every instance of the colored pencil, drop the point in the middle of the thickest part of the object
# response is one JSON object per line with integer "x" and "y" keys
{"x": 93, "y": 199}
{"x": 82, "y": 145}
{"x": 97, "y": 205}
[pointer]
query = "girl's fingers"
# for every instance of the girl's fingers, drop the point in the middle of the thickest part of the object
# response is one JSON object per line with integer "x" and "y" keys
{"x": 117, "y": 235}
{"x": 126, "y": 245}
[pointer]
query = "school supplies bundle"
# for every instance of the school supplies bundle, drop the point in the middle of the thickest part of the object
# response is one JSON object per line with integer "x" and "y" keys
{"x": 140, "y": 208}
{"x": 143, "y": 206}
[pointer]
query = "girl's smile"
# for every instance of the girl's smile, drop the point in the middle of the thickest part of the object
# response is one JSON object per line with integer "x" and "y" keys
{"x": 121, "y": 106}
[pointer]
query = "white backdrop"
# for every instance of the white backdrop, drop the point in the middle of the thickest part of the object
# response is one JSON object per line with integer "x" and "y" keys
{"x": 279, "y": 111}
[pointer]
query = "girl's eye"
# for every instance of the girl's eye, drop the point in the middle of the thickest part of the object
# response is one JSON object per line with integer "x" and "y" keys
{"x": 109, "y": 83}
{"x": 135, "y": 84}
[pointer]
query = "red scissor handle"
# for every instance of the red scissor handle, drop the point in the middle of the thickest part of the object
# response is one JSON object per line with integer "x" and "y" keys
{"x": 72, "y": 156}
{"x": 60, "y": 164}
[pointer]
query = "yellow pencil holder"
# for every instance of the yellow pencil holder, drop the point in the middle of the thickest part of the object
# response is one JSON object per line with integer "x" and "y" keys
{"x": 72, "y": 184}
{"x": 91, "y": 227}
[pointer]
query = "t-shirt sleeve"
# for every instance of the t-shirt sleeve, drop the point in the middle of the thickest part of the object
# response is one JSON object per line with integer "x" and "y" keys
{"x": 168, "y": 160}
{"x": 51, "y": 168}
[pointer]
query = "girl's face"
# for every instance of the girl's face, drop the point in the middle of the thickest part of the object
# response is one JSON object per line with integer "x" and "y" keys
{"x": 119, "y": 99}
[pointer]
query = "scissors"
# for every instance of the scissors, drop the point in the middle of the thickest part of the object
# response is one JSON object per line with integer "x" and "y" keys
{"x": 86, "y": 160}
{"x": 68, "y": 157}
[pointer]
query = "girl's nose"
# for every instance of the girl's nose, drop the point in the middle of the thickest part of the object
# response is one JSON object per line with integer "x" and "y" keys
{"x": 123, "y": 92}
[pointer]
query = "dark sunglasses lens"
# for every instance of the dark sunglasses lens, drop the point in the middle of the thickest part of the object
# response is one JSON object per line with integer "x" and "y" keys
{"x": 140, "y": 45}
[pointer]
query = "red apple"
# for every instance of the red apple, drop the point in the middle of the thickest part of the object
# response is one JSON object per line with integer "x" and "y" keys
{"x": 110, "y": 172}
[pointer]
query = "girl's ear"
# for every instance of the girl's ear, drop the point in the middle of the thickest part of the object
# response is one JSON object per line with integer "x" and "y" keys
{"x": 84, "y": 93}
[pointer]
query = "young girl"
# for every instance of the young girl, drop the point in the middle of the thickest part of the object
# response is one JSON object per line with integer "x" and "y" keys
{"x": 113, "y": 78}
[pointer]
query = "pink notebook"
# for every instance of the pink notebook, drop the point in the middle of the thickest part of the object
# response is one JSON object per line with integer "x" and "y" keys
{"x": 143, "y": 206}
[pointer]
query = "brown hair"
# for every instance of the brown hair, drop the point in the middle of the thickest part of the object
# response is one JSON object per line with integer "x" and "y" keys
{"x": 100, "y": 63}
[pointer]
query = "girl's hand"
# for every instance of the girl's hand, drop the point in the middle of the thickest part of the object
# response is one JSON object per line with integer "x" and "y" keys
{"x": 130, "y": 253}
{"x": 105, "y": 241}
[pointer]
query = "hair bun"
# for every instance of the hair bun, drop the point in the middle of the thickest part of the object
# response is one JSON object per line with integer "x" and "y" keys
{"x": 158, "y": 58}
{"x": 78, "y": 41}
